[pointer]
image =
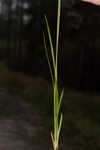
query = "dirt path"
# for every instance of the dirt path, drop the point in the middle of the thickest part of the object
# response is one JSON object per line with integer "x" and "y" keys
{"x": 19, "y": 124}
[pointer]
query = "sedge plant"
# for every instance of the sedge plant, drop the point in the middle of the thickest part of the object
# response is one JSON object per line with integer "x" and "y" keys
{"x": 57, "y": 96}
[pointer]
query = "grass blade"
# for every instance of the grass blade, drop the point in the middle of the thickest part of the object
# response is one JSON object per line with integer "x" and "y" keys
{"x": 60, "y": 101}
{"x": 54, "y": 75}
{"x": 60, "y": 125}
{"x": 47, "y": 56}
{"x": 50, "y": 40}
{"x": 58, "y": 27}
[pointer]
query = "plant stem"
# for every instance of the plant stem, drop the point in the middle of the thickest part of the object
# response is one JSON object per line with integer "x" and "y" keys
{"x": 54, "y": 75}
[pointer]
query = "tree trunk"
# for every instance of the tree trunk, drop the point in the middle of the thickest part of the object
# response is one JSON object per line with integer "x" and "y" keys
{"x": 20, "y": 47}
{"x": 8, "y": 30}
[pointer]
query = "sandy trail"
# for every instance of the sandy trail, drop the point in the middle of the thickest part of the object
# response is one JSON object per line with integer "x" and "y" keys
{"x": 19, "y": 124}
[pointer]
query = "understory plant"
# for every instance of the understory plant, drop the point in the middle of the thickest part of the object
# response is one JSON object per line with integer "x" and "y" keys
{"x": 57, "y": 95}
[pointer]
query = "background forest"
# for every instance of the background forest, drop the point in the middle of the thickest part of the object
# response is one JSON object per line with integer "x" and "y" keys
{"x": 21, "y": 39}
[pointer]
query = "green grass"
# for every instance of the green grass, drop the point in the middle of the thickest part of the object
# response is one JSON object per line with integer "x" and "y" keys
{"x": 57, "y": 95}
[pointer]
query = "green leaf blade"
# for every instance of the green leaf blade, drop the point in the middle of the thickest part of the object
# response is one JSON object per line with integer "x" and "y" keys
{"x": 58, "y": 28}
{"x": 50, "y": 41}
{"x": 60, "y": 101}
{"x": 60, "y": 125}
{"x": 47, "y": 56}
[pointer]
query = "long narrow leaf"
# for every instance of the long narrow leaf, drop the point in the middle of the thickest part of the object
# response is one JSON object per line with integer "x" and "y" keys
{"x": 60, "y": 125}
{"x": 47, "y": 56}
{"x": 50, "y": 40}
{"x": 58, "y": 27}
{"x": 60, "y": 101}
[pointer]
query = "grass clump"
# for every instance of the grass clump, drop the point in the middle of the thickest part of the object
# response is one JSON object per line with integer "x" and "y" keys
{"x": 54, "y": 75}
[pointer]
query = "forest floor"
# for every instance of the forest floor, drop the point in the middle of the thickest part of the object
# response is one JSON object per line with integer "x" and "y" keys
{"x": 22, "y": 126}
{"x": 26, "y": 110}
{"x": 19, "y": 123}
